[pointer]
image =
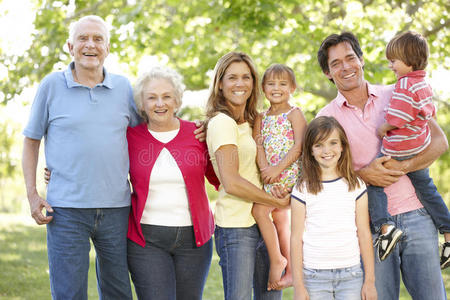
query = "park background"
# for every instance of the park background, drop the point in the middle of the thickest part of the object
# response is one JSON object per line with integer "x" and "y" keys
{"x": 190, "y": 36}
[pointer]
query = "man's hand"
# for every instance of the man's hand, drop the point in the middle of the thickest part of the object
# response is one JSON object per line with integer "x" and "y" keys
{"x": 398, "y": 165}
{"x": 200, "y": 133}
{"x": 376, "y": 173}
{"x": 37, "y": 204}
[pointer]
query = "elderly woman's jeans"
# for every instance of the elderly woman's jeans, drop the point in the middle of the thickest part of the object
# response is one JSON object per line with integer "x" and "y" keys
{"x": 244, "y": 262}
{"x": 170, "y": 266}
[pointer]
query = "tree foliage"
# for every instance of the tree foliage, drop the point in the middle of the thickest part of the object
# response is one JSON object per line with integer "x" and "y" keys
{"x": 191, "y": 35}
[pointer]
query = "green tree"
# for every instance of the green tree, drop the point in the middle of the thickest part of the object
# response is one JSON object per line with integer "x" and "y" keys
{"x": 192, "y": 35}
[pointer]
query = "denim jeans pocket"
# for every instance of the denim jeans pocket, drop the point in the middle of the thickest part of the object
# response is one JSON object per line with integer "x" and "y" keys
{"x": 309, "y": 273}
{"x": 422, "y": 211}
{"x": 356, "y": 271}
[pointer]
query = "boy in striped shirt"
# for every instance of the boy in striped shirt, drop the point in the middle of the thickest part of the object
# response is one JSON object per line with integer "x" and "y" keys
{"x": 405, "y": 134}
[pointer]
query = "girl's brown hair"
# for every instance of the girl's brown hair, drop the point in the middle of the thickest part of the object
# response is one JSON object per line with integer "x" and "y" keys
{"x": 217, "y": 102}
{"x": 278, "y": 71}
{"x": 318, "y": 130}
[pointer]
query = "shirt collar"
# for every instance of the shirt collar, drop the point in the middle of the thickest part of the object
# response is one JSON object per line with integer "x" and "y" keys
{"x": 416, "y": 74}
{"x": 107, "y": 82}
{"x": 372, "y": 91}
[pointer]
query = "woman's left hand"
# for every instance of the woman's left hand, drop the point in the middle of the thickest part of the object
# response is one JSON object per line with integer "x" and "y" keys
{"x": 47, "y": 175}
{"x": 282, "y": 195}
{"x": 278, "y": 191}
{"x": 200, "y": 133}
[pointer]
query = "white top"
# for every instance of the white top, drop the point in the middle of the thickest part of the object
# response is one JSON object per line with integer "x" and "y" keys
{"x": 330, "y": 240}
{"x": 167, "y": 202}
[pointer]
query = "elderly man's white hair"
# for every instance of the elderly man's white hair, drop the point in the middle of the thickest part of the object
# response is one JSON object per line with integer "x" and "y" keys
{"x": 92, "y": 18}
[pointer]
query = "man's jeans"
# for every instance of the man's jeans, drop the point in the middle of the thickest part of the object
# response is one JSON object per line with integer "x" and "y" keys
{"x": 244, "y": 262}
{"x": 426, "y": 192}
{"x": 68, "y": 243}
{"x": 416, "y": 259}
{"x": 338, "y": 284}
{"x": 170, "y": 266}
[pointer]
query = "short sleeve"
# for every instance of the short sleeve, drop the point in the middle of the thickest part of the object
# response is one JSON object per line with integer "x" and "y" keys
{"x": 37, "y": 124}
{"x": 361, "y": 190}
{"x": 297, "y": 195}
{"x": 135, "y": 119}
{"x": 222, "y": 130}
{"x": 402, "y": 107}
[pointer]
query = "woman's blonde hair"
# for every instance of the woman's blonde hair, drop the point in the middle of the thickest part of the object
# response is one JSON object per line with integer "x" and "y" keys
{"x": 217, "y": 102}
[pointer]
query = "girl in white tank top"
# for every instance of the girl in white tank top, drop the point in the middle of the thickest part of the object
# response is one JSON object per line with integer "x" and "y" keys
{"x": 330, "y": 220}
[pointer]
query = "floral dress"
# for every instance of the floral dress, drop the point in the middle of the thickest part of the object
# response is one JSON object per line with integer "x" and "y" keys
{"x": 278, "y": 139}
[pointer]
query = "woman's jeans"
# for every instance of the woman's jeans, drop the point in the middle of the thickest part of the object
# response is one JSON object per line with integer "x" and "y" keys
{"x": 68, "y": 246}
{"x": 170, "y": 266}
{"x": 337, "y": 284}
{"x": 244, "y": 262}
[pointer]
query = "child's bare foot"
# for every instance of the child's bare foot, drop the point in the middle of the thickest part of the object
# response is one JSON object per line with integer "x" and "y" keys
{"x": 276, "y": 269}
{"x": 285, "y": 281}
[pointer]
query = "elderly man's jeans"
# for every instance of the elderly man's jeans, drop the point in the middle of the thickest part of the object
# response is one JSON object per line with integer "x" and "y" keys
{"x": 68, "y": 243}
{"x": 244, "y": 262}
{"x": 415, "y": 258}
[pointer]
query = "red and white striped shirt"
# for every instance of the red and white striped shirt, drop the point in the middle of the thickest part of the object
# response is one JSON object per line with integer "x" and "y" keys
{"x": 410, "y": 108}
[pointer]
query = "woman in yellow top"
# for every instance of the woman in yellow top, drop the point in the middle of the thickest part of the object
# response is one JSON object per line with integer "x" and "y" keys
{"x": 231, "y": 111}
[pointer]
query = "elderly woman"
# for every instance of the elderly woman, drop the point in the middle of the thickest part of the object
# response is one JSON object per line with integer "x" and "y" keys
{"x": 171, "y": 223}
{"x": 231, "y": 111}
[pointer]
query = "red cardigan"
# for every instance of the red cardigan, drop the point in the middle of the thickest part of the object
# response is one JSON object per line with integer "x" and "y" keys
{"x": 193, "y": 160}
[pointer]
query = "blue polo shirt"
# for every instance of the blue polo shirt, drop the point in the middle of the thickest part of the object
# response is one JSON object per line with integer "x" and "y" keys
{"x": 85, "y": 139}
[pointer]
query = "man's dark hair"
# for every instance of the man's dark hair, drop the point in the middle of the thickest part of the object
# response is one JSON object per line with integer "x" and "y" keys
{"x": 333, "y": 40}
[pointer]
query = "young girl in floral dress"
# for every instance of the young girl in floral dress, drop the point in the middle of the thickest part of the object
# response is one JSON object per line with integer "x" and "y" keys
{"x": 278, "y": 133}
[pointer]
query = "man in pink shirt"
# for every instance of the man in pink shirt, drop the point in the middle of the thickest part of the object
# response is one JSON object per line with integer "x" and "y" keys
{"x": 360, "y": 108}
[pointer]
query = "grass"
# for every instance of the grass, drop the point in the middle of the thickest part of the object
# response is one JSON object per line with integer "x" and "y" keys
{"x": 24, "y": 265}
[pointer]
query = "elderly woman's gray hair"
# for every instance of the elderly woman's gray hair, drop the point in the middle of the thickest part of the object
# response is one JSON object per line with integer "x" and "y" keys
{"x": 172, "y": 76}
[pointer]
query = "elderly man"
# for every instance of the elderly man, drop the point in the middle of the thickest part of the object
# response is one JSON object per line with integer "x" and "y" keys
{"x": 83, "y": 113}
{"x": 359, "y": 107}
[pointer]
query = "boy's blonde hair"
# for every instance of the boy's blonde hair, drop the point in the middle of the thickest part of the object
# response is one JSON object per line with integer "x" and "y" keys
{"x": 409, "y": 47}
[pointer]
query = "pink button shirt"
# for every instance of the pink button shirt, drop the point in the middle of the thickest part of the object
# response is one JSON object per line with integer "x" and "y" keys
{"x": 361, "y": 129}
